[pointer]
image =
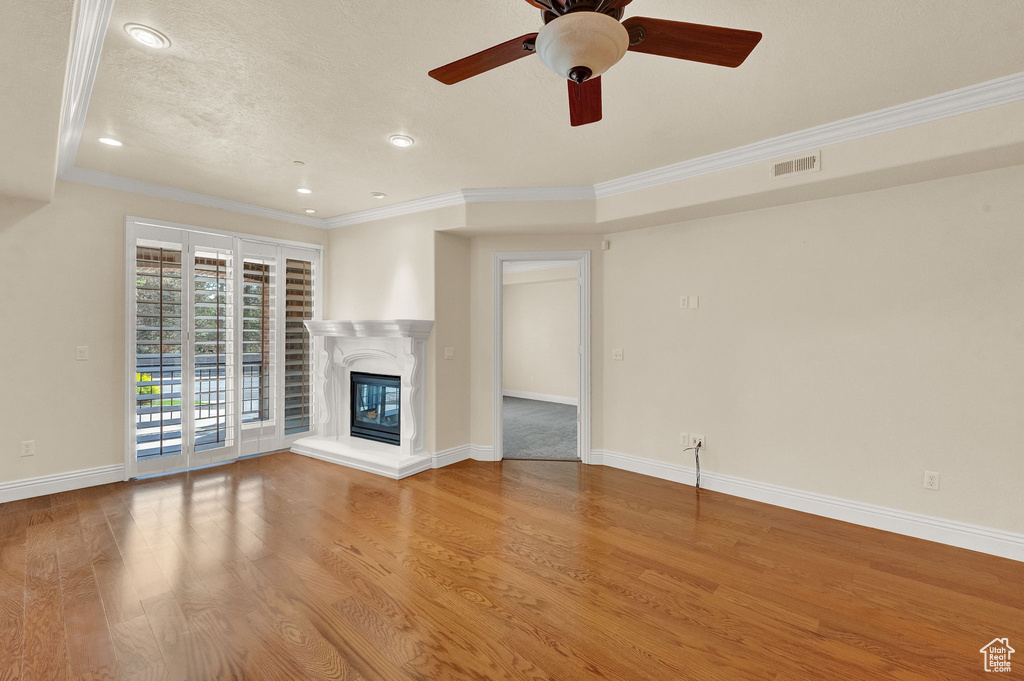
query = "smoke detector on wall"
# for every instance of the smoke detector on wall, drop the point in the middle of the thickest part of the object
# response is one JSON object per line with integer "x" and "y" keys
{"x": 801, "y": 164}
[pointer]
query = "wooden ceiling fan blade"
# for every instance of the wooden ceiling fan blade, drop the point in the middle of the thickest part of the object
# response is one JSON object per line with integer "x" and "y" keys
{"x": 484, "y": 61}
{"x": 693, "y": 42}
{"x": 585, "y": 102}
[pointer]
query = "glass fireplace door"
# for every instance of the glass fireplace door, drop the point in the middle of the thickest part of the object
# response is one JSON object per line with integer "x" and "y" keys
{"x": 376, "y": 407}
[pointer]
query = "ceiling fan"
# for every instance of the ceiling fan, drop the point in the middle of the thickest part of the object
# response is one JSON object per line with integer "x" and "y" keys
{"x": 581, "y": 39}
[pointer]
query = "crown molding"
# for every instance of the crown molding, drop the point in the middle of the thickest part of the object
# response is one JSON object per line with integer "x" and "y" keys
{"x": 965, "y": 100}
{"x": 162, "y": 191}
{"x": 93, "y": 20}
{"x": 513, "y": 194}
{"x": 463, "y": 197}
{"x": 404, "y": 208}
{"x": 83, "y": 63}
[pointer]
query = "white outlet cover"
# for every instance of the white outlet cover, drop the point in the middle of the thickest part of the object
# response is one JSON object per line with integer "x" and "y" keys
{"x": 28, "y": 448}
{"x": 449, "y": 353}
{"x": 697, "y": 437}
{"x": 83, "y": 353}
{"x": 684, "y": 439}
{"x": 617, "y": 354}
{"x": 684, "y": 303}
{"x": 931, "y": 480}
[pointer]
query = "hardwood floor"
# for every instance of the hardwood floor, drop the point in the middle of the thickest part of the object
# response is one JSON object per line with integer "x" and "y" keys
{"x": 289, "y": 568}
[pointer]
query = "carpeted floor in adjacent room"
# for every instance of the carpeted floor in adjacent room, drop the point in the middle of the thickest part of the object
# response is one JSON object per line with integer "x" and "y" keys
{"x": 539, "y": 430}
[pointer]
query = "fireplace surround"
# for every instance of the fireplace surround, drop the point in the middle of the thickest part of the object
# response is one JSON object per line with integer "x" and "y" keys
{"x": 394, "y": 349}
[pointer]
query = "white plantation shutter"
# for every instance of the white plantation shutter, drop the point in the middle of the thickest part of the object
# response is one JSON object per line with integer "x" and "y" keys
{"x": 220, "y": 362}
{"x": 213, "y": 347}
{"x": 158, "y": 349}
{"x": 259, "y": 347}
{"x": 298, "y": 350}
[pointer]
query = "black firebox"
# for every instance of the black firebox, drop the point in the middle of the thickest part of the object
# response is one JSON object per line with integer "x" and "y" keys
{"x": 376, "y": 407}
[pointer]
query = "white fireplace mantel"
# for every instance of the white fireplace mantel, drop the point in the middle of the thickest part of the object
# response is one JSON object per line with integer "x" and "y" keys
{"x": 396, "y": 347}
{"x": 384, "y": 328}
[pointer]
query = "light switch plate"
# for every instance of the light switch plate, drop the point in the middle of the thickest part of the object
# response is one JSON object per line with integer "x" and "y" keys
{"x": 449, "y": 353}
{"x": 617, "y": 354}
{"x": 694, "y": 302}
{"x": 83, "y": 353}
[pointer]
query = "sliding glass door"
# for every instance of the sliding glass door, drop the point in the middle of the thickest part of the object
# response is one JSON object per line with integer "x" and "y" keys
{"x": 220, "y": 363}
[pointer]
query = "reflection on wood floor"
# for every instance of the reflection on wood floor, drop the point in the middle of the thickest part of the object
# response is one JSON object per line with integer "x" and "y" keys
{"x": 289, "y": 568}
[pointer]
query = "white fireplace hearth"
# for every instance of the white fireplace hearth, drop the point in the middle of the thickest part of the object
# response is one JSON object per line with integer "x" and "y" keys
{"x": 396, "y": 347}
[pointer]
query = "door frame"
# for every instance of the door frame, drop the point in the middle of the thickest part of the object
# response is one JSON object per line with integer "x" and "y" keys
{"x": 582, "y": 258}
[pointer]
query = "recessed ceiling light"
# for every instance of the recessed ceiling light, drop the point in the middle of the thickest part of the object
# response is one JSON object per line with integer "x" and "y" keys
{"x": 110, "y": 141}
{"x": 310, "y": 211}
{"x": 303, "y": 190}
{"x": 150, "y": 37}
{"x": 378, "y": 195}
{"x": 402, "y": 140}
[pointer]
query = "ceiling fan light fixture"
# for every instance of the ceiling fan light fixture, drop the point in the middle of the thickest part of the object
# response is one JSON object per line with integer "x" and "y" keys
{"x": 581, "y": 41}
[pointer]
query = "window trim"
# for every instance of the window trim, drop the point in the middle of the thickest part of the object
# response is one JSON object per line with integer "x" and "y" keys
{"x": 132, "y": 225}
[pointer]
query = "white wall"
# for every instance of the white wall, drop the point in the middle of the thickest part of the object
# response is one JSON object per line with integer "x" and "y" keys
{"x": 450, "y": 394}
{"x": 62, "y": 276}
{"x": 541, "y": 328}
{"x": 842, "y": 346}
{"x": 383, "y": 270}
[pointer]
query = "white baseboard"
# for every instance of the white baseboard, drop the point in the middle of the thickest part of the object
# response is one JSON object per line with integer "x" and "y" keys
{"x": 951, "y": 532}
{"x": 540, "y": 396}
{"x": 483, "y": 452}
{"x": 61, "y": 482}
{"x": 453, "y": 455}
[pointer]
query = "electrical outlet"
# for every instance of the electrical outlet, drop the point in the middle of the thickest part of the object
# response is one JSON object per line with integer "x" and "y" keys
{"x": 449, "y": 353}
{"x": 83, "y": 353}
{"x": 617, "y": 354}
{"x": 684, "y": 303}
{"x": 684, "y": 439}
{"x": 931, "y": 480}
{"x": 28, "y": 448}
{"x": 697, "y": 439}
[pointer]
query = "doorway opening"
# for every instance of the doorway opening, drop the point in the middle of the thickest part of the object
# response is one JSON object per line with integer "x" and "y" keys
{"x": 542, "y": 356}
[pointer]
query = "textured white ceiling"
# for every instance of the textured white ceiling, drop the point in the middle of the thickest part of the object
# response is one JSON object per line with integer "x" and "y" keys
{"x": 34, "y": 41}
{"x": 247, "y": 88}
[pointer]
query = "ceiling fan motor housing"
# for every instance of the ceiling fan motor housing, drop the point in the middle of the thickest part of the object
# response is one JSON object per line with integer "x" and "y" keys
{"x": 581, "y": 41}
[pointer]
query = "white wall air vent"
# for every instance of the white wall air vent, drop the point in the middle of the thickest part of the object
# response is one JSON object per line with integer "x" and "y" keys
{"x": 808, "y": 162}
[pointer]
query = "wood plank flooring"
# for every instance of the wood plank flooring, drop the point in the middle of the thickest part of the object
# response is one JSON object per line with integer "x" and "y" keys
{"x": 289, "y": 568}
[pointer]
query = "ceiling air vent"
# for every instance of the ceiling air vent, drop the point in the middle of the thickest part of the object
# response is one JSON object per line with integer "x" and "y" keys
{"x": 796, "y": 165}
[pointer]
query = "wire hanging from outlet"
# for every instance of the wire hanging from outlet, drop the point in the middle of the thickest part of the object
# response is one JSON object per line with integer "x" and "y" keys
{"x": 696, "y": 455}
